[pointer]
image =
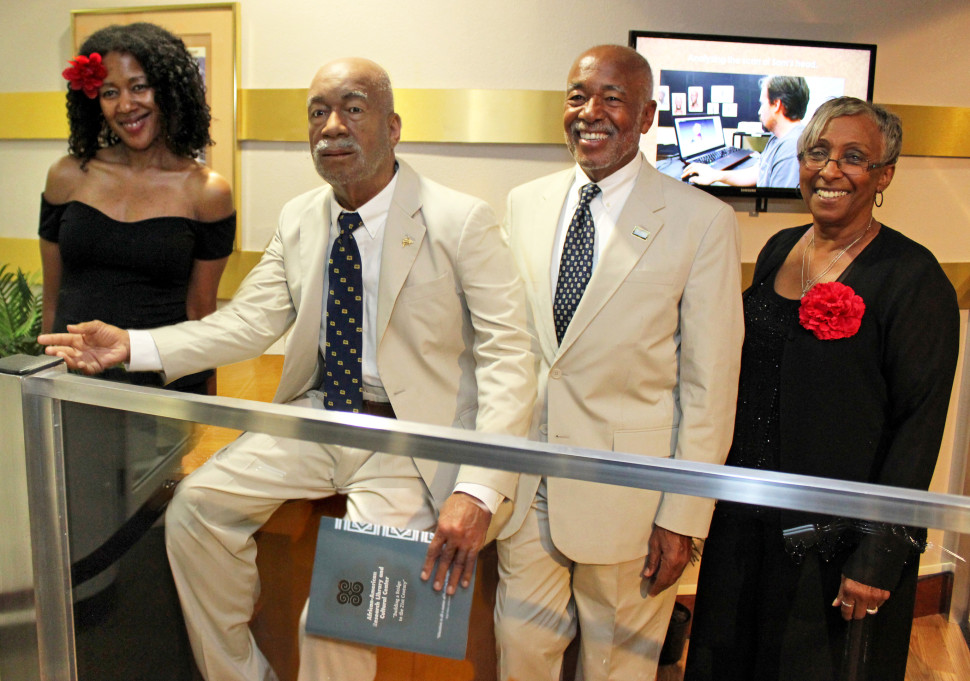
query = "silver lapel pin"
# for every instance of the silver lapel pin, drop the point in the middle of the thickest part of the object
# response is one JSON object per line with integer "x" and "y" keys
{"x": 641, "y": 233}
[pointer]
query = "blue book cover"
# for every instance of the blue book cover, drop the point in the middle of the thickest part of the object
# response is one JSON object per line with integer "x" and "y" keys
{"x": 367, "y": 587}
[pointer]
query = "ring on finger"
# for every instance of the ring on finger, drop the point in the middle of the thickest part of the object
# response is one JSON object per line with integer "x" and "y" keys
{"x": 848, "y": 605}
{"x": 872, "y": 611}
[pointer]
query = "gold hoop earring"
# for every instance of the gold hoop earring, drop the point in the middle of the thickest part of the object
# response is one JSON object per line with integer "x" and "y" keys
{"x": 878, "y": 200}
{"x": 106, "y": 137}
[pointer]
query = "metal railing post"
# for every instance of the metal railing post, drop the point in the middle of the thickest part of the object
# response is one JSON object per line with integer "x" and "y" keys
{"x": 36, "y": 620}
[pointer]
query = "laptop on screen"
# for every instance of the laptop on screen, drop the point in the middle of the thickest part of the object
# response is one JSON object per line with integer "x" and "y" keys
{"x": 701, "y": 140}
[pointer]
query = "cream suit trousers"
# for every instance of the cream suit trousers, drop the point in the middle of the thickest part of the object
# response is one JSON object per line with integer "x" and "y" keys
{"x": 542, "y": 595}
{"x": 209, "y": 534}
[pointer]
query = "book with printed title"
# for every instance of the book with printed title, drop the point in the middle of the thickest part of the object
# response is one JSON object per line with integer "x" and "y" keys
{"x": 366, "y": 587}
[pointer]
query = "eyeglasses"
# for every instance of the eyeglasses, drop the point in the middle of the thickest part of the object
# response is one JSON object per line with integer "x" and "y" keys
{"x": 850, "y": 164}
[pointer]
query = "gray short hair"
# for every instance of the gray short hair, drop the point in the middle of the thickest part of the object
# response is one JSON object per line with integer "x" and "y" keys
{"x": 888, "y": 123}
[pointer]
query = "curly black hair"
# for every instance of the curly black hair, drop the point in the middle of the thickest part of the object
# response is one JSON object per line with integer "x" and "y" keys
{"x": 170, "y": 70}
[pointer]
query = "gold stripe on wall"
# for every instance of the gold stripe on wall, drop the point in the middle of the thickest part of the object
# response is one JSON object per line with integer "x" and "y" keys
{"x": 33, "y": 115}
{"x": 959, "y": 275}
{"x": 466, "y": 116}
{"x": 272, "y": 115}
{"x": 22, "y": 253}
{"x": 238, "y": 266}
{"x": 481, "y": 116}
{"x": 747, "y": 274}
{"x": 934, "y": 130}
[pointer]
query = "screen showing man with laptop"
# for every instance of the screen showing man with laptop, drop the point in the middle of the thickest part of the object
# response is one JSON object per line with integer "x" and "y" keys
{"x": 784, "y": 101}
{"x": 760, "y": 91}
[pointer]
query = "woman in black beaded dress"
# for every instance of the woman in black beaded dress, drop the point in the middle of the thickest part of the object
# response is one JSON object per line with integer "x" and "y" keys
{"x": 850, "y": 349}
{"x": 134, "y": 230}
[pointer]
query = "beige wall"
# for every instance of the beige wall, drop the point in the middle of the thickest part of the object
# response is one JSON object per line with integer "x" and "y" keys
{"x": 516, "y": 44}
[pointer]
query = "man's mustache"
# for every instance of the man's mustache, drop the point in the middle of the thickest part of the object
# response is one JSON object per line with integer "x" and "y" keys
{"x": 342, "y": 144}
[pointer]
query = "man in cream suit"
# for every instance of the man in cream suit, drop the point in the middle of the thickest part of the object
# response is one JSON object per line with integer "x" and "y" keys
{"x": 443, "y": 341}
{"x": 643, "y": 358}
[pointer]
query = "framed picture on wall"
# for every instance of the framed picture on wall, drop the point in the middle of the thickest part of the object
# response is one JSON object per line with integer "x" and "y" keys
{"x": 210, "y": 33}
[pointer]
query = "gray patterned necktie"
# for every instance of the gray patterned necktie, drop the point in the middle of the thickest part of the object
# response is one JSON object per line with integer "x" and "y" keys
{"x": 343, "y": 383}
{"x": 576, "y": 265}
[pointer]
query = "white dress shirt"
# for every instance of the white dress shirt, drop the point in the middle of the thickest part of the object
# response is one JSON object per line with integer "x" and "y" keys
{"x": 605, "y": 209}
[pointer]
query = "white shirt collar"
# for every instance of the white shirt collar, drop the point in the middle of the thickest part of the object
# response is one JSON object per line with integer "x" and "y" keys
{"x": 616, "y": 181}
{"x": 374, "y": 212}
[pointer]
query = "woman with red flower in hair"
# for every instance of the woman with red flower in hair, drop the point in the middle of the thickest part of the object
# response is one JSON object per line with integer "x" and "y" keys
{"x": 850, "y": 348}
{"x": 134, "y": 230}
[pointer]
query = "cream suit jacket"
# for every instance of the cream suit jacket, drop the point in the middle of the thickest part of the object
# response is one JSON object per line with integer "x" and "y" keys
{"x": 453, "y": 348}
{"x": 648, "y": 365}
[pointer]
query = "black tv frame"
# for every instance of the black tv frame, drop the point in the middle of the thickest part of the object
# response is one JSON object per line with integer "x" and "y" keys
{"x": 761, "y": 194}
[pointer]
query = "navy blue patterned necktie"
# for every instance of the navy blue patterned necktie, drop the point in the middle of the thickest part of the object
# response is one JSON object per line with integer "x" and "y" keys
{"x": 342, "y": 383}
{"x": 576, "y": 265}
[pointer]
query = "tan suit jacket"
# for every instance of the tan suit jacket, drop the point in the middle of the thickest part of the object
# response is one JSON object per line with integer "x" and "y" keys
{"x": 649, "y": 364}
{"x": 453, "y": 348}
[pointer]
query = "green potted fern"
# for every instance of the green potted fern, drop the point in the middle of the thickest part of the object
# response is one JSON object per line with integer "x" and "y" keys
{"x": 20, "y": 314}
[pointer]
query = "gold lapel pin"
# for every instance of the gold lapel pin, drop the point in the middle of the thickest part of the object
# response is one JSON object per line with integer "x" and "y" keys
{"x": 641, "y": 233}
{"x": 407, "y": 240}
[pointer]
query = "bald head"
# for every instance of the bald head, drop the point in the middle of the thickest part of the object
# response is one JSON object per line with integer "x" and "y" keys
{"x": 376, "y": 82}
{"x": 622, "y": 58}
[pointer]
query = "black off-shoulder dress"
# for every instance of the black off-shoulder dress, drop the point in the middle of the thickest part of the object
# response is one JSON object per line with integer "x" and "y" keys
{"x": 131, "y": 274}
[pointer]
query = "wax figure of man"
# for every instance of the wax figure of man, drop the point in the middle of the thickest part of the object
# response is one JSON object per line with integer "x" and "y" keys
{"x": 643, "y": 358}
{"x": 443, "y": 341}
{"x": 784, "y": 101}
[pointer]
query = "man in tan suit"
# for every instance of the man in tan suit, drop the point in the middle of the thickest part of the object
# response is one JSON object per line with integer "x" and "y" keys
{"x": 641, "y": 358}
{"x": 443, "y": 341}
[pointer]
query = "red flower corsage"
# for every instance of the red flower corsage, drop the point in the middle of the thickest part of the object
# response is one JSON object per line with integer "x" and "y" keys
{"x": 831, "y": 311}
{"x": 86, "y": 73}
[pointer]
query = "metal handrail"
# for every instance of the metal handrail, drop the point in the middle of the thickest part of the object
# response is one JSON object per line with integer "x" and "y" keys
{"x": 766, "y": 488}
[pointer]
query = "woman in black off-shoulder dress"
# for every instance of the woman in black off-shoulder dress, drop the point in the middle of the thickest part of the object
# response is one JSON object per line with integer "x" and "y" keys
{"x": 135, "y": 231}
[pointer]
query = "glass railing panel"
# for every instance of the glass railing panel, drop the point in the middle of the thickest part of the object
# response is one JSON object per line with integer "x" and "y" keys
{"x": 165, "y": 438}
{"x": 121, "y": 468}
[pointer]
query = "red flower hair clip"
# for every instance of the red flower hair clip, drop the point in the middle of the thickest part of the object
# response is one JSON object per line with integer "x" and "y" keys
{"x": 86, "y": 73}
{"x": 831, "y": 310}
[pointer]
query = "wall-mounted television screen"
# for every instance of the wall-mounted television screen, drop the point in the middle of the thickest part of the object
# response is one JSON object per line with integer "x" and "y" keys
{"x": 730, "y": 109}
